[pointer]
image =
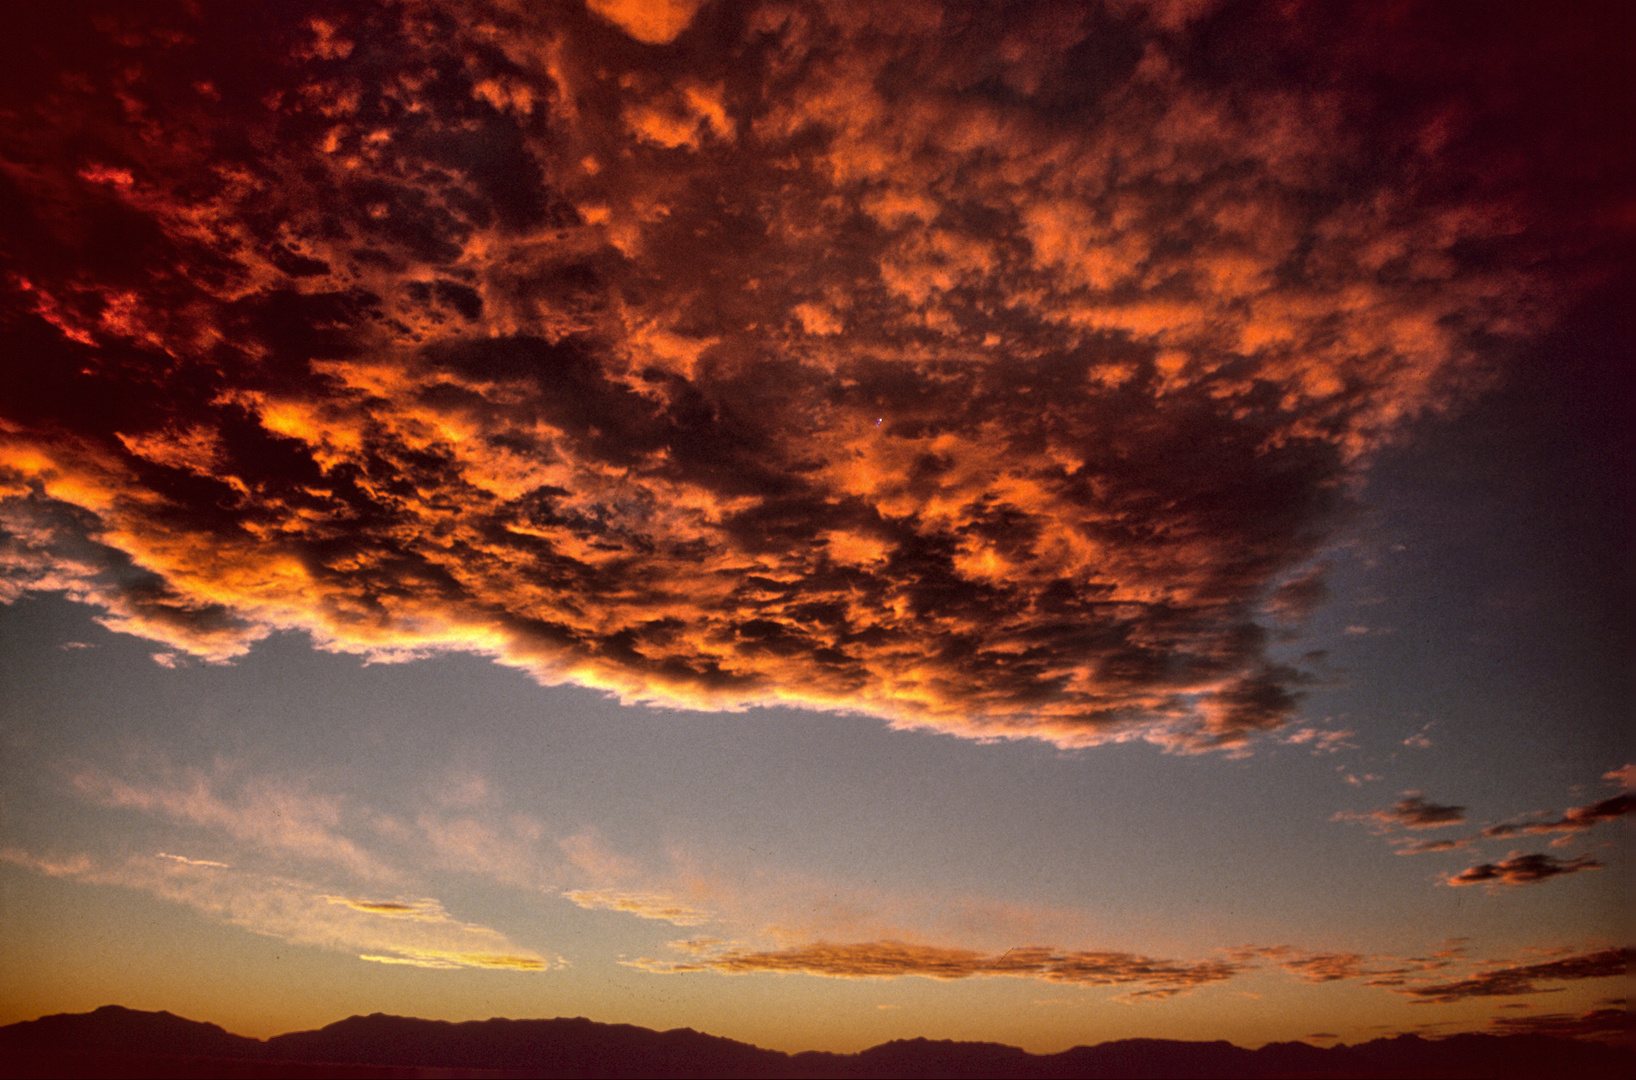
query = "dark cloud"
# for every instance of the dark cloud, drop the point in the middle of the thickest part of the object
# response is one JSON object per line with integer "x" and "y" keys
{"x": 1524, "y": 978}
{"x": 888, "y": 959}
{"x": 390, "y": 908}
{"x": 1611, "y": 1024}
{"x": 1575, "y": 819}
{"x": 1411, "y": 812}
{"x": 1298, "y": 597}
{"x": 993, "y": 370}
{"x": 1422, "y": 847}
{"x": 1522, "y": 870}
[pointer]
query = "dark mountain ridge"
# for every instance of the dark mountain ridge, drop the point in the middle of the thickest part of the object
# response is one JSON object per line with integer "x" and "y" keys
{"x": 115, "y": 1041}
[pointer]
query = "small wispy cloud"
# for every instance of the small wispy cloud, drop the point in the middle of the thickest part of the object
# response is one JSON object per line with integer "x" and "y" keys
{"x": 429, "y": 910}
{"x": 1413, "y": 811}
{"x": 1321, "y": 741}
{"x": 1519, "y": 869}
{"x": 266, "y": 812}
{"x": 418, "y": 932}
{"x": 1575, "y": 819}
{"x": 1421, "y": 740}
{"x": 1406, "y": 846}
{"x": 643, "y": 906}
{"x": 192, "y": 862}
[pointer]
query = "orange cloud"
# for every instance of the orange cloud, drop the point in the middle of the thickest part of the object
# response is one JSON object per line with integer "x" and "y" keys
{"x": 905, "y": 365}
{"x": 643, "y": 906}
{"x": 889, "y": 959}
{"x": 1386, "y": 971}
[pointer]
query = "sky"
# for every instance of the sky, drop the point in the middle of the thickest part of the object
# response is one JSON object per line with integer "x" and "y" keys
{"x": 819, "y": 522}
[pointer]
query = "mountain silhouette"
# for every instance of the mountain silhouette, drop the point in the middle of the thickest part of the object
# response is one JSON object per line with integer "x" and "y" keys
{"x": 120, "y": 1042}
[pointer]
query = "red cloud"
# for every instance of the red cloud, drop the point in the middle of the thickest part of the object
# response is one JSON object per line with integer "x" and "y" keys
{"x": 833, "y": 365}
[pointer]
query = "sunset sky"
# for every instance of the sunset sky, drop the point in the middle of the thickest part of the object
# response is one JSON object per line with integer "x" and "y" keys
{"x": 819, "y": 522}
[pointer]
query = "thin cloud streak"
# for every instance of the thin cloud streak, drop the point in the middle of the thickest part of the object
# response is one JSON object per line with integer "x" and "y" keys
{"x": 264, "y": 813}
{"x": 812, "y": 358}
{"x": 643, "y": 906}
{"x": 1520, "y": 869}
{"x": 1525, "y": 978}
{"x": 418, "y": 932}
{"x": 887, "y": 959}
{"x": 1575, "y": 819}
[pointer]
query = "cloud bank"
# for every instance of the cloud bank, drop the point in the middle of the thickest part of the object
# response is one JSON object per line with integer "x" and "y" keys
{"x": 999, "y": 370}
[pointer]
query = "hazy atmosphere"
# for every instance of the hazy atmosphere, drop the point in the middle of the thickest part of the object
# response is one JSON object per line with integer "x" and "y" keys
{"x": 819, "y": 522}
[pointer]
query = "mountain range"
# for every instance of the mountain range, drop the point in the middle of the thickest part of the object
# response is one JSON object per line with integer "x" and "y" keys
{"x": 116, "y": 1041}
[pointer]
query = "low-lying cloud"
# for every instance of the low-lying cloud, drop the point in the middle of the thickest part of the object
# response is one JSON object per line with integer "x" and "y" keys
{"x": 887, "y": 959}
{"x": 1525, "y": 978}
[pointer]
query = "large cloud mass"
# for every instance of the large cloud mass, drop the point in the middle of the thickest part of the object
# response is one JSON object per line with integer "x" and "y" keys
{"x": 985, "y": 367}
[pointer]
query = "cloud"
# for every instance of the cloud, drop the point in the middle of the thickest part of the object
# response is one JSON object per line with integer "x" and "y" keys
{"x": 415, "y": 909}
{"x": 266, "y": 813}
{"x": 509, "y": 848}
{"x": 654, "y": 22}
{"x": 1328, "y": 967}
{"x": 643, "y": 906}
{"x": 1519, "y": 869}
{"x": 1575, "y": 819}
{"x": 1406, "y": 846}
{"x": 1300, "y": 596}
{"x": 1524, "y": 979}
{"x": 1410, "y": 812}
{"x": 913, "y": 365}
{"x": 1322, "y": 742}
{"x": 891, "y": 959}
{"x": 1421, "y": 740}
{"x": 191, "y": 862}
{"x": 1624, "y": 776}
{"x": 418, "y": 932}
{"x": 1325, "y": 967}
{"x": 1612, "y": 1024}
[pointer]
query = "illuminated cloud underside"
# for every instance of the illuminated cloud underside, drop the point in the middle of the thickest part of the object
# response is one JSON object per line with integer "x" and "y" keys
{"x": 998, "y": 371}
{"x": 1161, "y": 978}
